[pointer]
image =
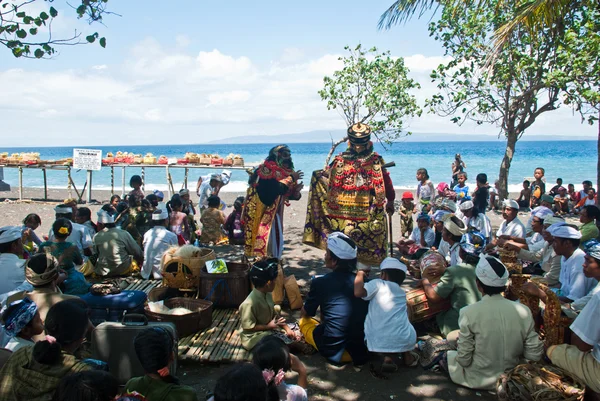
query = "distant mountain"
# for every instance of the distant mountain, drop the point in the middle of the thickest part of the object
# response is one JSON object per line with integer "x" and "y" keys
{"x": 328, "y": 136}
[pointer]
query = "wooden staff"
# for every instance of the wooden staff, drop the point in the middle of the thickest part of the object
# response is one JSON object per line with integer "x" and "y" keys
{"x": 45, "y": 184}
{"x": 112, "y": 180}
{"x": 390, "y": 232}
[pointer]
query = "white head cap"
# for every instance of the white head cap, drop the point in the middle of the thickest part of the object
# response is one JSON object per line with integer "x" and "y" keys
{"x": 548, "y": 221}
{"x": 542, "y": 213}
{"x": 392, "y": 263}
{"x": 10, "y": 234}
{"x": 561, "y": 230}
{"x": 487, "y": 275}
{"x": 339, "y": 247}
{"x": 105, "y": 218}
{"x": 454, "y": 228}
{"x": 511, "y": 203}
{"x": 225, "y": 176}
{"x": 159, "y": 194}
{"x": 466, "y": 205}
{"x": 62, "y": 209}
{"x": 441, "y": 215}
{"x": 160, "y": 214}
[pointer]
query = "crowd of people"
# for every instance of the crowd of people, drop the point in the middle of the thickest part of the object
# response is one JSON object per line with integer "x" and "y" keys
{"x": 350, "y": 315}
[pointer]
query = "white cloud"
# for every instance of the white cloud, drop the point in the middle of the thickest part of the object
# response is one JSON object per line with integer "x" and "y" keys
{"x": 162, "y": 95}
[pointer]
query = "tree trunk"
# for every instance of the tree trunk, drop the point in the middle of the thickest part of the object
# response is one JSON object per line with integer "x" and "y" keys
{"x": 511, "y": 142}
{"x": 598, "y": 156}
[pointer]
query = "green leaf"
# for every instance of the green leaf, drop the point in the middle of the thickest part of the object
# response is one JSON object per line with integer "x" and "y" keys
{"x": 17, "y": 52}
{"x": 44, "y": 16}
{"x": 53, "y": 12}
{"x": 39, "y": 53}
{"x": 81, "y": 10}
{"x": 38, "y": 21}
{"x": 33, "y": 31}
{"x": 21, "y": 34}
{"x": 90, "y": 38}
{"x": 21, "y": 14}
{"x": 28, "y": 20}
{"x": 103, "y": 42}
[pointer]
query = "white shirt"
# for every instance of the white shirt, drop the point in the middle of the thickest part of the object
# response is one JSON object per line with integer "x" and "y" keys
{"x": 574, "y": 284}
{"x": 444, "y": 249}
{"x": 80, "y": 236}
{"x": 580, "y": 303}
{"x": 536, "y": 238}
{"x": 454, "y": 252}
{"x": 12, "y": 276}
{"x": 204, "y": 192}
{"x": 515, "y": 229}
{"x": 16, "y": 343}
{"x": 480, "y": 223}
{"x": 587, "y": 325}
{"x": 387, "y": 328}
{"x": 157, "y": 241}
{"x": 429, "y": 236}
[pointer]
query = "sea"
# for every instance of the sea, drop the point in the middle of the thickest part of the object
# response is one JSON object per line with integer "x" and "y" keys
{"x": 573, "y": 161}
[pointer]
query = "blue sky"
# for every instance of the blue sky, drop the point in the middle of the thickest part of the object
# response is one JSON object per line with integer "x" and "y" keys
{"x": 190, "y": 71}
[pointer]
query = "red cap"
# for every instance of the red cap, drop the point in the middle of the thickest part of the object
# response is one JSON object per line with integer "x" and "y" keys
{"x": 407, "y": 195}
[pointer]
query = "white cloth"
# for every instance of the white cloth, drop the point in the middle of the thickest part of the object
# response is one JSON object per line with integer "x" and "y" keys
{"x": 514, "y": 229}
{"x": 157, "y": 241}
{"x": 487, "y": 275}
{"x": 454, "y": 255}
{"x": 429, "y": 236}
{"x": 480, "y": 223}
{"x": 580, "y": 303}
{"x": 387, "y": 328}
{"x": 204, "y": 192}
{"x": 11, "y": 234}
{"x": 16, "y": 343}
{"x": 587, "y": 325}
{"x": 444, "y": 249}
{"x": 80, "y": 236}
{"x": 336, "y": 243}
{"x": 12, "y": 272}
{"x": 574, "y": 284}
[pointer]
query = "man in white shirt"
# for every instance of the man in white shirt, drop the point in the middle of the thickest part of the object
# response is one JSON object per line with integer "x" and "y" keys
{"x": 12, "y": 268}
{"x": 476, "y": 221}
{"x": 207, "y": 189}
{"x": 423, "y": 234}
{"x": 157, "y": 241}
{"x": 454, "y": 228}
{"x": 80, "y": 235}
{"x": 582, "y": 357}
{"x": 511, "y": 226}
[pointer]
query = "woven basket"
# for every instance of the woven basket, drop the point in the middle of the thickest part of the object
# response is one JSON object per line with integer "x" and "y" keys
{"x": 205, "y": 161}
{"x": 187, "y": 275}
{"x": 227, "y": 290}
{"x": 238, "y": 162}
{"x": 199, "y": 319}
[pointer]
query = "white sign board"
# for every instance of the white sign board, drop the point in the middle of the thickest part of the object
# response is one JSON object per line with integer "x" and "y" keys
{"x": 87, "y": 159}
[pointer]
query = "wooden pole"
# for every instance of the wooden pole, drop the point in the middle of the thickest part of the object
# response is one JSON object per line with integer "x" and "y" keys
{"x": 69, "y": 182}
{"x": 143, "y": 179}
{"x": 45, "y": 183}
{"x": 20, "y": 183}
{"x": 89, "y": 191}
{"x": 112, "y": 180}
{"x": 123, "y": 182}
{"x": 185, "y": 179}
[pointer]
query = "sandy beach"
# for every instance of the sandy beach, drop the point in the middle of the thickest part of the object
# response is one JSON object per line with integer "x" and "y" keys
{"x": 326, "y": 382}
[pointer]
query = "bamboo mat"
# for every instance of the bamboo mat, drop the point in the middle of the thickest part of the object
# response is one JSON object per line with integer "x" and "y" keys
{"x": 143, "y": 285}
{"x": 220, "y": 343}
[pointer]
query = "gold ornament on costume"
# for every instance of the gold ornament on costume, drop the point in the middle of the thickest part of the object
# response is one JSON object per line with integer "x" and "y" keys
{"x": 359, "y": 134}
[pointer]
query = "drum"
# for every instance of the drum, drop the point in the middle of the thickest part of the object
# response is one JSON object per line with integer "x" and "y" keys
{"x": 432, "y": 259}
{"x": 509, "y": 259}
{"x": 420, "y": 308}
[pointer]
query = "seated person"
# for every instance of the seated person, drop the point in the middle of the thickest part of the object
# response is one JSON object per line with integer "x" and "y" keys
{"x": 457, "y": 283}
{"x": 422, "y": 235}
{"x": 536, "y": 240}
{"x": 33, "y": 373}
{"x": 561, "y": 201}
{"x": 273, "y": 357}
{"x": 212, "y": 222}
{"x": 80, "y": 235}
{"x": 582, "y": 357}
{"x": 90, "y": 385}
{"x": 511, "y": 226}
{"x": 178, "y": 221}
{"x": 11, "y": 264}
{"x": 21, "y": 321}
{"x": 545, "y": 257}
{"x": 388, "y": 332}
{"x": 84, "y": 217}
{"x": 588, "y": 217}
{"x": 157, "y": 241}
{"x": 30, "y": 240}
{"x": 454, "y": 229}
{"x": 339, "y": 336}
{"x": 525, "y": 196}
{"x": 438, "y": 217}
{"x": 495, "y": 333}
{"x": 574, "y": 283}
{"x": 589, "y": 200}
{"x": 476, "y": 220}
{"x": 154, "y": 348}
{"x": 233, "y": 224}
{"x": 257, "y": 312}
{"x": 556, "y": 189}
{"x": 68, "y": 256}
{"x": 118, "y": 253}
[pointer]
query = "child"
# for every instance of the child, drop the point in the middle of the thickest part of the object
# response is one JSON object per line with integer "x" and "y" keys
{"x": 21, "y": 321}
{"x": 30, "y": 223}
{"x": 242, "y": 382}
{"x": 233, "y": 224}
{"x": 425, "y": 192}
{"x": 273, "y": 357}
{"x": 406, "y": 212}
{"x": 462, "y": 189}
{"x": 136, "y": 196}
{"x": 84, "y": 217}
{"x": 68, "y": 256}
{"x": 554, "y": 190}
{"x": 157, "y": 241}
{"x": 482, "y": 193}
{"x": 178, "y": 222}
{"x": 494, "y": 195}
{"x": 538, "y": 188}
{"x": 574, "y": 197}
{"x": 387, "y": 329}
{"x": 257, "y": 312}
{"x": 561, "y": 201}
{"x": 156, "y": 350}
{"x": 525, "y": 196}
{"x": 212, "y": 222}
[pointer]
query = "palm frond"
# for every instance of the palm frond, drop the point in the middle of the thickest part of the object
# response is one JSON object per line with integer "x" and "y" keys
{"x": 403, "y": 10}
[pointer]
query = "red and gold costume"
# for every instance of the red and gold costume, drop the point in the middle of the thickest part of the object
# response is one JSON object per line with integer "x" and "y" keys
{"x": 271, "y": 185}
{"x": 350, "y": 196}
